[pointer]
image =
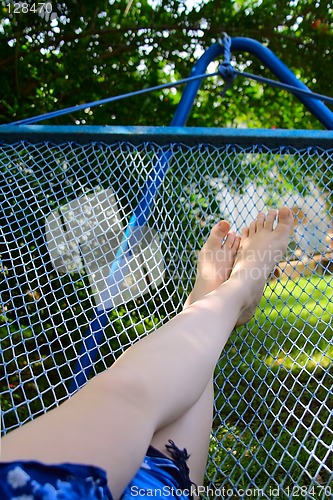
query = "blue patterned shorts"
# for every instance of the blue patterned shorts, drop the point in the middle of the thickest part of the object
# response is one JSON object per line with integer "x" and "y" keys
{"x": 159, "y": 477}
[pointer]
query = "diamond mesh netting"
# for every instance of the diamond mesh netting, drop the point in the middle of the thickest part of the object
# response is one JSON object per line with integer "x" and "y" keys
{"x": 64, "y": 208}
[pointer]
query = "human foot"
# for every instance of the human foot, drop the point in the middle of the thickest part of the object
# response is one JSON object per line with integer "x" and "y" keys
{"x": 261, "y": 247}
{"x": 215, "y": 260}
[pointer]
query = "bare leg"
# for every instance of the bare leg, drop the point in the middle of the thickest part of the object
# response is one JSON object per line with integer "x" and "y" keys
{"x": 192, "y": 429}
{"x": 112, "y": 420}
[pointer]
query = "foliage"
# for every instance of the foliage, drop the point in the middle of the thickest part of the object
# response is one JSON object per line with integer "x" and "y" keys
{"x": 94, "y": 50}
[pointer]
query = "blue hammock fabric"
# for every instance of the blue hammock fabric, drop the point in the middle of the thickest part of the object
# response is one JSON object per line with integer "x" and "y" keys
{"x": 159, "y": 477}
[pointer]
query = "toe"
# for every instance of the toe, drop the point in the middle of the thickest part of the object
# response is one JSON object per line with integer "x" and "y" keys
{"x": 285, "y": 217}
{"x": 236, "y": 244}
{"x": 217, "y": 234}
{"x": 253, "y": 227}
{"x": 221, "y": 229}
{"x": 270, "y": 219}
{"x": 245, "y": 233}
{"x": 261, "y": 221}
{"x": 230, "y": 239}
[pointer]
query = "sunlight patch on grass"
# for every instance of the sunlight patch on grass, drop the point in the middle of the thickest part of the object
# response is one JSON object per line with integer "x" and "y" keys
{"x": 294, "y": 324}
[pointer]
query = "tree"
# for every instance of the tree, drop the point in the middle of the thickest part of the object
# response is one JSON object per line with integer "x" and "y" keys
{"x": 81, "y": 52}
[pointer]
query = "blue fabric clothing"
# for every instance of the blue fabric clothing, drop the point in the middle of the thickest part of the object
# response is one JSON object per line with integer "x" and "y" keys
{"x": 159, "y": 477}
{"x": 30, "y": 480}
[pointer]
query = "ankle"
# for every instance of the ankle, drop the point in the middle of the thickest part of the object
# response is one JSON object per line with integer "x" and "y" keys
{"x": 239, "y": 287}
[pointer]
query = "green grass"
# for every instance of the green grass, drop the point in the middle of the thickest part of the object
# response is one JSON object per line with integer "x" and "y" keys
{"x": 273, "y": 398}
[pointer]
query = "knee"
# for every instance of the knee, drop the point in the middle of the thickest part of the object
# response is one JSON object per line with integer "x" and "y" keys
{"x": 122, "y": 385}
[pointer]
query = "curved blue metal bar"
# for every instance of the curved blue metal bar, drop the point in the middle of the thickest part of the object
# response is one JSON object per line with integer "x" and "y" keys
{"x": 185, "y": 105}
{"x": 269, "y": 59}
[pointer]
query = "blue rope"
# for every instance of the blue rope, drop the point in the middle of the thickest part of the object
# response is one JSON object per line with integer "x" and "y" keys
{"x": 226, "y": 43}
{"x": 80, "y": 107}
{"x": 226, "y": 71}
{"x": 273, "y": 83}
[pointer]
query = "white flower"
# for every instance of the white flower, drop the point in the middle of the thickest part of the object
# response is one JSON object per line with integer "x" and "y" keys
{"x": 17, "y": 477}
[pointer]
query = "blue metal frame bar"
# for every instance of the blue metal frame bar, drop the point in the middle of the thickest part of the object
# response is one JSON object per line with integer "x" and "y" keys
{"x": 163, "y": 136}
{"x": 269, "y": 59}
